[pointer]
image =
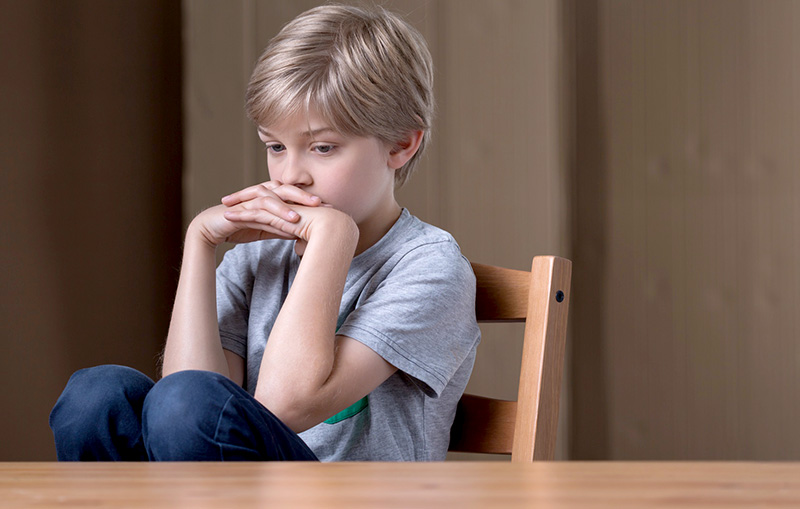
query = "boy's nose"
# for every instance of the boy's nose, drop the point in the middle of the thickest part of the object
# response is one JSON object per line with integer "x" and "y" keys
{"x": 296, "y": 174}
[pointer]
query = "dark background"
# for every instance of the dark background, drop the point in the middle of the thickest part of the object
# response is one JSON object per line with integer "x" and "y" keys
{"x": 90, "y": 197}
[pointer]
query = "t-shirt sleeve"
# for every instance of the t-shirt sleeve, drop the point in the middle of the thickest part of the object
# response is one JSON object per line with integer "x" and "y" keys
{"x": 419, "y": 314}
{"x": 234, "y": 289}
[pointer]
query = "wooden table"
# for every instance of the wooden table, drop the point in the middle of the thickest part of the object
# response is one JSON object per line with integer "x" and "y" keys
{"x": 385, "y": 485}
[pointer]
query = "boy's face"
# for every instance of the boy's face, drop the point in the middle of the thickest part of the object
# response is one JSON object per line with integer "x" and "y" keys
{"x": 350, "y": 173}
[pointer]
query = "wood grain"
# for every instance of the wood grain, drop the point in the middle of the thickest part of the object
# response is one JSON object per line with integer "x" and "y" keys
{"x": 525, "y": 429}
{"x": 494, "y": 305}
{"x": 543, "y": 359}
{"x": 475, "y": 416}
{"x": 387, "y": 485}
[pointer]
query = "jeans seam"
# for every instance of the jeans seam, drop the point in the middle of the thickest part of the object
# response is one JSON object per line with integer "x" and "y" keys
{"x": 216, "y": 428}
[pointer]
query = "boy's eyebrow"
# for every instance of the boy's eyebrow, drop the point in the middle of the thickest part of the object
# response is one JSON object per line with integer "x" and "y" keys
{"x": 308, "y": 134}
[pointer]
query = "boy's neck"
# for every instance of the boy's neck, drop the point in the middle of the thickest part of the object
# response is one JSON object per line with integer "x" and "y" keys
{"x": 373, "y": 229}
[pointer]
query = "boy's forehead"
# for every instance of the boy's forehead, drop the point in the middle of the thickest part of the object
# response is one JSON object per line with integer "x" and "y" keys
{"x": 307, "y": 130}
{"x": 306, "y": 124}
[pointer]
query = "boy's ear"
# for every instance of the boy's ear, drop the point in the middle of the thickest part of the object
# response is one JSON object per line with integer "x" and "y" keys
{"x": 405, "y": 150}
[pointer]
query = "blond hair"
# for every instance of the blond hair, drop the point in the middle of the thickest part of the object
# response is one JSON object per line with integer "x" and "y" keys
{"x": 366, "y": 72}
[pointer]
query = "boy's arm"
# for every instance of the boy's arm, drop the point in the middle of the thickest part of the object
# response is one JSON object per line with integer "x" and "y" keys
{"x": 307, "y": 373}
{"x": 193, "y": 340}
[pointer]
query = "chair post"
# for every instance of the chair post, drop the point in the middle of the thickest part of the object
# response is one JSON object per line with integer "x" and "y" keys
{"x": 542, "y": 360}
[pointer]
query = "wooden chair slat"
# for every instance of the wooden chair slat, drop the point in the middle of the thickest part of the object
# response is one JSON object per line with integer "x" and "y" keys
{"x": 477, "y": 414}
{"x": 501, "y": 294}
{"x": 525, "y": 428}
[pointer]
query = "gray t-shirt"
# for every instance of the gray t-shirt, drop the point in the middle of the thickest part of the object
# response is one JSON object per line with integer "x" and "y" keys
{"x": 410, "y": 298}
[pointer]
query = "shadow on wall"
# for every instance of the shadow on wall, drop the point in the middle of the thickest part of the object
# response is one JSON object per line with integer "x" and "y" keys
{"x": 589, "y": 434}
{"x": 91, "y": 159}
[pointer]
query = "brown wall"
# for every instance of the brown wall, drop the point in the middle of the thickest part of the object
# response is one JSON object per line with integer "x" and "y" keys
{"x": 90, "y": 151}
{"x": 686, "y": 283}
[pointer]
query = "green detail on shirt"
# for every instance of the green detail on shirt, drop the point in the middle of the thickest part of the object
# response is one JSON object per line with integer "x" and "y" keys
{"x": 359, "y": 405}
{"x": 350, "y": 411}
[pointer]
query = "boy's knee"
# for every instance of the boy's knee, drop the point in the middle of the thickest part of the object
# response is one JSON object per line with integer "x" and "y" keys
{"x": 180, "y": 392}
{"x": 181, "y": 407}
{"x": 108, "y": 379}
{"x": 92, "y": 395}
{"x": 182, "y": 400}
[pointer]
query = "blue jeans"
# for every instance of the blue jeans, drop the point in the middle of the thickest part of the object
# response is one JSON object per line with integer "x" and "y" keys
{"x": 115, "y": 413}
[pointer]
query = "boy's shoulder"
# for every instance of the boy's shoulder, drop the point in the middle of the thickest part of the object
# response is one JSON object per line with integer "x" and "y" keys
{"x": 409, "y": 232}
{"x": 412, "y": 241}
{"x": 420, "y": 232}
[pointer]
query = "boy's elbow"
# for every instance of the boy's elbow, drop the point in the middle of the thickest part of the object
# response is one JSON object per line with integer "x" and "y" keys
{"x": 291, "y": 407}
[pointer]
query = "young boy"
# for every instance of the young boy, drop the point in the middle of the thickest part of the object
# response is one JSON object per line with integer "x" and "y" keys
{"x": 344, "y": 327}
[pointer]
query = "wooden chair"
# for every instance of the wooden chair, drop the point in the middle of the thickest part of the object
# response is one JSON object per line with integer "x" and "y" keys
{"x": 525, "y": 428}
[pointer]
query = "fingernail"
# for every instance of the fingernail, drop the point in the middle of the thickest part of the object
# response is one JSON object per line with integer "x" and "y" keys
{"x": 293, "y": 215}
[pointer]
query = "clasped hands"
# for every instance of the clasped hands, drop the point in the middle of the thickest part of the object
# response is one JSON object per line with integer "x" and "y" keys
{"x": 270, "y": 210}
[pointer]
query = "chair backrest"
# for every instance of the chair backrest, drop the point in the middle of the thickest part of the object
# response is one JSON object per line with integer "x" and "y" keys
{"x": 525, "y": 428}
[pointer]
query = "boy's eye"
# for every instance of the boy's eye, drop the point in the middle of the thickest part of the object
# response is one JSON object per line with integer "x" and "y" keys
{"x": 323, "y": 149}
{"x": 276, "y": 147}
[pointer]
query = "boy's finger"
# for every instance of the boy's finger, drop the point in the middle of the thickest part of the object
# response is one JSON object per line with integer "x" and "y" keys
{"x": 270, "y": 204}
{"x": 259, "y": 219}
{"x": 248, "y": 193}
{"x": 296, "y": 195}
{"x": 272, "y": 232}
{"x": 240, "y": 196}
{"x": 277, "y": 207}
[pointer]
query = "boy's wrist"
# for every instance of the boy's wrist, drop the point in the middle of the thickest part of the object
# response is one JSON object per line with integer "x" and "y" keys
{"x": 334, "y": 223}
{"x": 196, "y": 235}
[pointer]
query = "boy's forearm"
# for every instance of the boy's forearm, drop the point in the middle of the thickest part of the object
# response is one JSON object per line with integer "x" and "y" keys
{"x": 193, "y": 340}
{"x": 299, "y": 355}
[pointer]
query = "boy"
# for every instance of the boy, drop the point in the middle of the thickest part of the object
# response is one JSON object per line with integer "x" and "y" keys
{"x": 344, "y": 327}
